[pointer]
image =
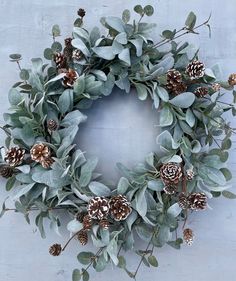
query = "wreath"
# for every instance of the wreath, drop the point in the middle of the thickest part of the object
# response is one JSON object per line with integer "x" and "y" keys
{"x": 46, "y": 172}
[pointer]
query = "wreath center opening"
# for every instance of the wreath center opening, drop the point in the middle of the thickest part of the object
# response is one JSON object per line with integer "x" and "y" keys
{"x": 119, "y": 128}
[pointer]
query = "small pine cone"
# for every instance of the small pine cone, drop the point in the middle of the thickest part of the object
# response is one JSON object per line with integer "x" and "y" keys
{"x": 6, "y": 171}
{"x": 40, "y": 152}
{"x": 98, "y": 208}
{"x": 188, "y": 236}
{"x": 81, "y": 12}
{"x": 59, "y": 60}
{"x": 183, "y": 201}
{"x": 82, "y": 237}
{"x": 47, "y": 162}
{"x": 68, "y": 50}
{"x": 52, "y": 125}
{"x": 69, "y": 78}
{"x": 170, "y": 173}
{"x": 14, "y": 156}
{"x": 87, "y": 222}
{"x": 174, "y": 82}
{"x": 195, "y": 69}
{"x": 77, "y": 55}
{"x": 216, "y": 87}
{"x": 104, "y": 224}
{"x": 232, "y": 79}
{"x": 80, "y": 216}
{"x": 201, "y": 92}
{"x": 55, "y": 250}
{"x": 197, "y": 201}
{"x": 170, "y": 189}
{"x": 120, "y": 207}
{"x": 189, "y": 174}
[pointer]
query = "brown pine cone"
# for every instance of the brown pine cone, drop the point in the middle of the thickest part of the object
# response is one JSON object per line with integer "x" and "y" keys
{"x": 170, "y": 189}
{"x": 82, "y": 237}
{"x": 59, "y": 60}
{"x": 6, "y": 171}
{"x": 87, "y": 222}
{"x": 77, "y": 55}
{"x": 68, "y": 50}
{"x": 201, "y": 92}
{"x": 41, "y": 153}
{"x": 197, "y": 201}
{"x": 183, "y": 201}
{"x": 55, "y": 250}
{"x": 14, "y": 156}
{"x": 104, "y": 224}
{"x": 52, "y": 125}
{"x": 174, "y": 82}
{"x": 120, "y": 207}
{"x": 188, "y": 236}
{"x": 232, "y": 79}
{"x": 170, "y": 173}
{"x": 216, "y": 87}
{"x": 69, "y": 78}
{"x": 189, "y": 174}
{"x": 98, "y": 208}
{"x": 81, "y": 12}
{"x": 195, "y": 69}
{"x": 80, "y": 216}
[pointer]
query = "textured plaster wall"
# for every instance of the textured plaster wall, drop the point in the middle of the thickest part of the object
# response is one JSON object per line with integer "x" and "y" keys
{"x": 24, "y": 27}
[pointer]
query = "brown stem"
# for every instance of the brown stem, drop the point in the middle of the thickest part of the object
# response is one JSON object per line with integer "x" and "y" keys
{"x": 230, "y": 104}
{"x": 88, "y": 266}
{"x": 67, "y": 243}
{"x": 18, "y": 63}
{"x": 36, "y": 209}
{"x": 186, "y": 218}
{"x": 184, "y": 180}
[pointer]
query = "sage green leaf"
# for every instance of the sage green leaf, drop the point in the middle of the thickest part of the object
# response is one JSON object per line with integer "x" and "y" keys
{"x": 156, "y": 185}
{"x": 56, "y": 78}
{"x": 81, "y": 32}
{"x": 56, "y": 47}
{"x": 94, "y": 35}
{"x": 14, "y": 96}
{"x": 166, "y": 63}
{"x": 141, "y": 91}
{"x": 48, "y": 53}
{"x": 144, "y": 231}
{"x": 124, "y": 56}
{"x": 24, "y": 74}
{"x": 99, "y": 189}
{"x": 227, "y": 174}
{"x": 138, "y": 43}
{"x": 121, "y": 38}
{"x": 191, "y": 21}
{"x": 166, "y": 116}
{"x": 79, "y": 44}
{"x": 76, "y": 276}
{"x": 79, "y": 85}
{"x": 183, "y": 100}
{"x": 115, "y": 23}
{"x": 18, "y": 191}
{"x": 101, "y": 263}
{"x": 122, "y": 262}
{"x": 74, "y": 226}
{"x": 153, "y": 261}
{"x": 65, "y": 101}
{"x": 139, "y": 10}
{"x": 112, "y": 250}
{"x": 56, "y": 30}
{"x": 174, "y": 210}
{"x": 165, "y": 139}
{"x": 131, "y": 219}
{"x": 85, "y": 257}
{"x": 86, "y": 171}
{"x": 85, "y": 275}
{"x": 15, "y": 57}
{"x": 162, "y": 93}
{"x": 126, "y": 16}
{"x": 123, "y": 185}
{"x": 228, "y": 194}
{"x": 148, "y": 10}
{"x": 141, "y": 202}
{"x": 73, "y": 118}
{"x": 105, "y": 52}
{"x": 190, "y": 118}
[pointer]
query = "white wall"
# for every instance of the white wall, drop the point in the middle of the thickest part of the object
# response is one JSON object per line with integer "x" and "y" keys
{"x": 24, "y": 27}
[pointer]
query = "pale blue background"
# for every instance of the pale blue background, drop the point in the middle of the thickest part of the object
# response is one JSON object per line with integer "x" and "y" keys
{"x": 24, "y": 27}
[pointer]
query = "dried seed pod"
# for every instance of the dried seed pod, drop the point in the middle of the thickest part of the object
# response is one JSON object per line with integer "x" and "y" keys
{"x": 81, "y": 12}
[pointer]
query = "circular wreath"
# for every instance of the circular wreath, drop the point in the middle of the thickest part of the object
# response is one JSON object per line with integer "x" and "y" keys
{"x": 45, "y": 171}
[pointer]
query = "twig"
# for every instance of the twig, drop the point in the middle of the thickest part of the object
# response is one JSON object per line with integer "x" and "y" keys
{"x": 67, "y": 243}
{"x": 186, "y": 218}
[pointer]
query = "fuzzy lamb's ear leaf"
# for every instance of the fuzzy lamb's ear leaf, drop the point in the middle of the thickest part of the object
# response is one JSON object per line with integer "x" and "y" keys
{"x": 183, "y": 100}
{"x": 99, "y": 189}
{"x": 191, "y": 21}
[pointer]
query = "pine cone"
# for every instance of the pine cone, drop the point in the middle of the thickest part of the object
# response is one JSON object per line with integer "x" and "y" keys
{"x": 68, "y": 50}
{"x": 82, "y": 237}
{"x": 120, "y": 207}
{"x": 170, "y": 189}
{"x": 183, "y": 201}
{"x": 104, "y": 224}
{"x": 98, "y": 208}
{"x": 14, "y": 156}
{"x": 77, "y": 55}
{"x": 195, "y": 69}
{"x": 6, "y": 171}
{"x": 232, "y": 79}
{"x": 170, "y": 173}
{"x": 197, "y": 201}
{"x": 189, "y": 174}
{"x": 55, "y": 250}
{"x": 201, "y": 92}
{"x": 80, "y": 216}
{"x": 59, "y": 60}
{"x": 216, "y": 87}
{"x": 188, "y": 236}
{"x": 41, "y": 153}
{"x": 174, "y": 82}
{"x": 52, "y": 125}
{"x": 81, "y": 12}
{"x": 70, "y": 78}
{"x": 87, "y": 222}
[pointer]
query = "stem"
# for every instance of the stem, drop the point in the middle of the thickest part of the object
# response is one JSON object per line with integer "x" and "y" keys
{"x": 18, "y": 63}
{"x": 67, "y": 243}
{"x": 36, "y": 209}
{"x": 185, "y": 220}
{"x": 96, "y": 255}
